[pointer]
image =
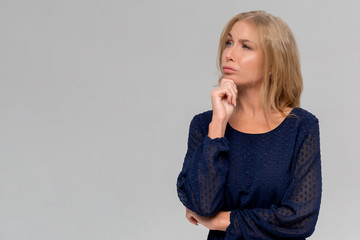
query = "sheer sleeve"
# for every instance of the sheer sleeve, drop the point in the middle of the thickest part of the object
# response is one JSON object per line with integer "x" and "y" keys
{"x": 200, "y": 184}
{"x": 297, "y": 214}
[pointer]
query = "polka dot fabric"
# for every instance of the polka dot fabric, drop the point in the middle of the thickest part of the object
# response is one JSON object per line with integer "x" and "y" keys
{"x": 271, "y": 182}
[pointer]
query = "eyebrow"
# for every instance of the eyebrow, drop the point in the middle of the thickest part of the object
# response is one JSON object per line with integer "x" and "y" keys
{"x": 241, "y": 40}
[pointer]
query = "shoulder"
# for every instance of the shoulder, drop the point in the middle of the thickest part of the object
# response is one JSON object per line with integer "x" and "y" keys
{"x": 202, "y": 120}
{"x": 305, "y": 116}
{"x": 204, "y": 116}
{"x": 305, "y": 121}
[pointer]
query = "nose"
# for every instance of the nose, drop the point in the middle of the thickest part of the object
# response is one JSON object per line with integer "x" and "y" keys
{"x": 229, "y": 55}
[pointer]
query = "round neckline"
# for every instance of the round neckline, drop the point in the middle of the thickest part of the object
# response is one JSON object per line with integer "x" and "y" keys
{"x": 259, "y": 134}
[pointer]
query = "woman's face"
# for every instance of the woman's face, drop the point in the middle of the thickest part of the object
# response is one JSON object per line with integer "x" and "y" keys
{"x": 243, "y": 58}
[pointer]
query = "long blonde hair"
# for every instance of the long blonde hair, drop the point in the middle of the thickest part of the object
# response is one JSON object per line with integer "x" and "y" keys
{"x": 282, "y": 88}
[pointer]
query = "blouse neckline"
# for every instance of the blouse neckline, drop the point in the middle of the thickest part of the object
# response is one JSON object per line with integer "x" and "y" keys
{"x": 261, "y": 134}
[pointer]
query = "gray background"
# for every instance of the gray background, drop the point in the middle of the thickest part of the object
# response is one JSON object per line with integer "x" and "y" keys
{"x": 96, "y": 98}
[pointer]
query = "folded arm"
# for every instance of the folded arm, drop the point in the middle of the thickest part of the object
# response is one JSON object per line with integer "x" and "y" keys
{"x": 200, "y": 184}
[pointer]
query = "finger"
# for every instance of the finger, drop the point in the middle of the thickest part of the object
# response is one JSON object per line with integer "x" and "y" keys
{"x": 230, "y": 83}
{"x": 193, "y": 221}
{"x": 225, "y": 81}
{"x": 190, "y": 217}
{"x": 234, "y": 95}
{"x": 229, "y": 96}
{"x": 225, "y": 94}
{"x": 234, "y": 91}
{"x": 220, "y": 92}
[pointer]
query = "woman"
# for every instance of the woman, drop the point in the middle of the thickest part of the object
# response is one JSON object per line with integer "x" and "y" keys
{"x": 252, "y": 169}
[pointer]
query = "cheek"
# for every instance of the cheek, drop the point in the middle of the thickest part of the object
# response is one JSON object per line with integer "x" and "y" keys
{"x": 223, "y": 57}
{"x": 255, "y": 62}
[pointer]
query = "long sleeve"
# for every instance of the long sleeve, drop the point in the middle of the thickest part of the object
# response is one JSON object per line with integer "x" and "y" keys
{"x": 200, "y": 184}
{"x": 296, "y": 216}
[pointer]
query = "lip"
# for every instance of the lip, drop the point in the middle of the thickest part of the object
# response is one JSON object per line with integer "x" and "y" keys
{"x": 227, "y": 69}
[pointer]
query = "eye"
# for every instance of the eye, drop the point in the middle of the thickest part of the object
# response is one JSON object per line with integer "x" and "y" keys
{"x": 228, "y": 42}
{"x": 246, "y": 46}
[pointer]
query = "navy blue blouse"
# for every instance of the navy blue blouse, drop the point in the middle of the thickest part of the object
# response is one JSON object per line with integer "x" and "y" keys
{"x": 271, "y": 182}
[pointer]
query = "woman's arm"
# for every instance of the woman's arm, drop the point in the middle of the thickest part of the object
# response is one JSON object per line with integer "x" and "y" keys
{"x": 200, "y": 184}
{"x": 220, "y": 221}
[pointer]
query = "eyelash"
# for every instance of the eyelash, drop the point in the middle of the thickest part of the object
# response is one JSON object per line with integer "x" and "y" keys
{"x": 244, "y": 45}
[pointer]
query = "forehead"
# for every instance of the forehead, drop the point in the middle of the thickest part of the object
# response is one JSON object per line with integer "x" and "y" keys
{"x": 244, "y": 30}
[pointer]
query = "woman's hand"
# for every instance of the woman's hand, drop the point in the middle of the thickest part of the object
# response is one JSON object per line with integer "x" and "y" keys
{"x": 190, "y": 216}
{"x": 219, "y": 221}
{"x": 223, "y": 100}
{"x": 194, "y": 218}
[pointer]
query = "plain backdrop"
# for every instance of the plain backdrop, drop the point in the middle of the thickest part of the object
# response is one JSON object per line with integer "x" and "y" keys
{"x": 96, "y": 98}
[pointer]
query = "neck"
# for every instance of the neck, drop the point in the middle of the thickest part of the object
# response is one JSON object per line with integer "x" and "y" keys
{"x": 248, "y": 103}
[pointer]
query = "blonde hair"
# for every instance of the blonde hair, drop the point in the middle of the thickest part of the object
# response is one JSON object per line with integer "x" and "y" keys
{"x": 282, "y": 88}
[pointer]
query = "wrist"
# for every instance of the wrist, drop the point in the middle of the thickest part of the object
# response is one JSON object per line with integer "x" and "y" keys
{"x": 217, "y": 129}
{"x": 223, "y": 221}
